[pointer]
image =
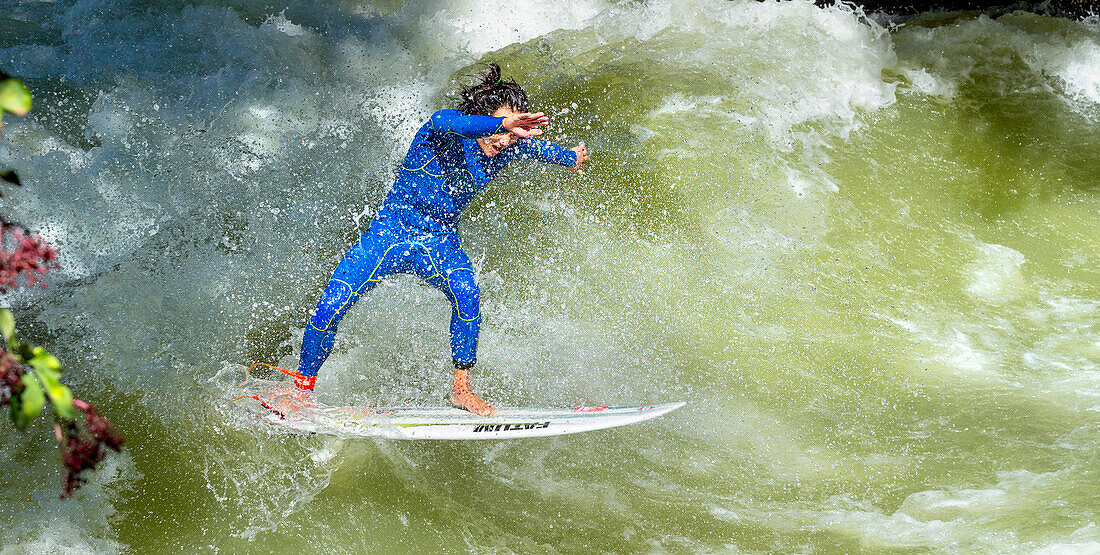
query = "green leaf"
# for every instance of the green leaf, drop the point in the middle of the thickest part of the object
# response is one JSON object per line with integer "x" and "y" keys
{"x": 46, "y": 367}
{"x": 14, "y": 97}
{"x": 45, "y": 360}
{"x": 32, "y": 401}
{"x": 62, "y": 399}
{"x": 15, "y": 405}
{"x": 7, "y": 325}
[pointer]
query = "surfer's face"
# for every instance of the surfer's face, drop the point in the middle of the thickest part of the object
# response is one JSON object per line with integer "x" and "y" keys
{"x": 493, "y": 144}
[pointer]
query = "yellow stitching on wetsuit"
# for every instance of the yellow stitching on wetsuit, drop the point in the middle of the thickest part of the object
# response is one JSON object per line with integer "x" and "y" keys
{"x": 380, "y": 261}
{"x": 447, "y": 280}
{"x": 431, "y": 121}
{"x": 439, "y": 174}
{"x": 421, "y": 167}
{"x": 495, "y": 132}
{"x": 355, "y": 292}
{"x": 455, "y": 297}
{"x": 350, "y": 295}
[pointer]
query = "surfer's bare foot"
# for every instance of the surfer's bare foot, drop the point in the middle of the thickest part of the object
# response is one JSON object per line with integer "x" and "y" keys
{"x": 464, "y": 398}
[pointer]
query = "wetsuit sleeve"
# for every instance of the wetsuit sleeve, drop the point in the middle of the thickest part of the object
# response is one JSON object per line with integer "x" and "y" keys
{"x": 446, "y": 122}
{"x": 548, "y": 153}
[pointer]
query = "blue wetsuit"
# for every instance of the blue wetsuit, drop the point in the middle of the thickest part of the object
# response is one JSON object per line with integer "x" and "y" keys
{"x": 415, "y": 231}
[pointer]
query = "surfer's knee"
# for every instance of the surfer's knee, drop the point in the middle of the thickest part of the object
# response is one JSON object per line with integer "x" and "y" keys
{"x": 466, "y": 293}
{"x": 333, "y": 302}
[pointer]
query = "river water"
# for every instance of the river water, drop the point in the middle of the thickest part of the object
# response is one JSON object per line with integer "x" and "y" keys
{"x": 865, "y": 253}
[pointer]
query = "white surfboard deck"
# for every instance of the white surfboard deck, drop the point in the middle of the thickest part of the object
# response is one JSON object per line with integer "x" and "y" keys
{"x": 447, "y": 422}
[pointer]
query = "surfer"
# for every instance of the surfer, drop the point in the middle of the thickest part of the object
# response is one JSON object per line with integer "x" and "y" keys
{"x": 453, "y": 157}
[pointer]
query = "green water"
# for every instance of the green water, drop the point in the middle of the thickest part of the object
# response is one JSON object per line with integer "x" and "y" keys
{"x": 865, "y": 255}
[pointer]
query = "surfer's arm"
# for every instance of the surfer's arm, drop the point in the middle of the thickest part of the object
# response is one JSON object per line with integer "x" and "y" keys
{"x": 550, "y": 153}
{"x": 454, "y": 122}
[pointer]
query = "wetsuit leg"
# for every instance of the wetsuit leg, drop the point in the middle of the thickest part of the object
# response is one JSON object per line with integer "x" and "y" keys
{"x": 371, "y": 258}
{"x": 453, "y": 274}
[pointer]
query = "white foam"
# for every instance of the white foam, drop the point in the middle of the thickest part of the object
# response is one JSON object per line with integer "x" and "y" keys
{"x": 286, "y": 26}
{"x": 952, "y": 519}
{"x": 478, "y": 27}
{"x": 787, "y": 88}
{"x": 937, "y": 61}
{"x": 1082, "y": 541}
{"x": 996, "y": 276}
{"x": 232, "y": 158}
{"x": 922, "y": 81}
{"x": 82, "y": 524}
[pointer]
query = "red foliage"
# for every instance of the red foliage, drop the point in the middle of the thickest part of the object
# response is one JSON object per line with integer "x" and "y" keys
{"x": 84, "y": 444}
{"x": 23, "y": 253}
{"x": 11, "y": 373}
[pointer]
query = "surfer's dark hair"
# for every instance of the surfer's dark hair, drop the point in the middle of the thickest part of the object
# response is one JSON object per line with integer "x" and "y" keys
{"x": 490, "y": 93}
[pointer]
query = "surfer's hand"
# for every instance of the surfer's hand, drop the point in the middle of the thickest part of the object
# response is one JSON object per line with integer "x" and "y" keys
{"x": 582, "y": 157}
{"x": 526, "y": 124}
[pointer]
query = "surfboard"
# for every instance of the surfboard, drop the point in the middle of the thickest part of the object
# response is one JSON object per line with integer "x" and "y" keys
{"x": 305, "y": 415}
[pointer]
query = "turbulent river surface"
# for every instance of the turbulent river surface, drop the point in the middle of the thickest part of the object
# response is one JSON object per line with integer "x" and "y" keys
{"x": 866, "y": 253}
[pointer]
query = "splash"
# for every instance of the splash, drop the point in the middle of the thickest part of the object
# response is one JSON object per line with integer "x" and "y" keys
{"x": 866, "y": 254}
